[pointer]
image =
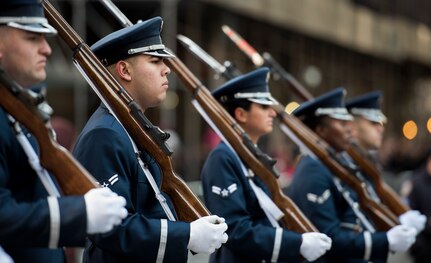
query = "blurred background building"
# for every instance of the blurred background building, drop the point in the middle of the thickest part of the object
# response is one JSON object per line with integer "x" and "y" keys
{"x": 361, "y": 45}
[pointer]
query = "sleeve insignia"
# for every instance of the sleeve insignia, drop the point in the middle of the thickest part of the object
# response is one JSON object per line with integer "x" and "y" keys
{"x": 319, "y": 199}
{"x": 111, "y": 181}
{"x": 225, "y": 192}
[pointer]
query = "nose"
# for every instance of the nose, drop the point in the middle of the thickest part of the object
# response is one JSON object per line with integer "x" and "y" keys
{"x": 348, "y": 127}
{"x": 45, "y": 48}
{"x": 272, "y": 112}
{"x": 167, "y": 70}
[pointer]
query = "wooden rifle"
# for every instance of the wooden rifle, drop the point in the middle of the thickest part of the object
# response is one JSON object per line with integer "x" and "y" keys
{"x": 382, "y": 218}
{"x": 30, "y": 109}
{"x": 147, "y": 136}
{"x": 385, "y": 193}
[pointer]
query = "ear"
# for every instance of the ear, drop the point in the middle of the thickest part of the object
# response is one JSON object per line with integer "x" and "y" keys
{"x": 240, "y": 115}
{"x": 123, "y": 70}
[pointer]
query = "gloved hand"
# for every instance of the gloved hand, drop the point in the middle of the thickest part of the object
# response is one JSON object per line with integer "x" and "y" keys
{"x": 105, "y": 209}
{"x": 401, "y": 237}
{"x": 4, "y": 257}
{"x": 415, "y": 219}
{"x": 207, "y": 234}
{"x": 314, "y": 245}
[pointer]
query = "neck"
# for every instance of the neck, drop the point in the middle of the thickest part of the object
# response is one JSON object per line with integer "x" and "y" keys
{"x": 253, "y": 138}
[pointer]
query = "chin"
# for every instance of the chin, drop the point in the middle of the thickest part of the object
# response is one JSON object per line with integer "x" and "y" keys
{"x": 268, "y": 131}
{"x": 39, "y": 78}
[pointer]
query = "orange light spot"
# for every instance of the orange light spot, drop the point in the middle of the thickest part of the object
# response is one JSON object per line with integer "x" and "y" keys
{"x": 410, "y": 130}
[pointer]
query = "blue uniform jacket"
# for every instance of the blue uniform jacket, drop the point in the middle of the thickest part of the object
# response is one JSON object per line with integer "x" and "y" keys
{"x": 228, "y": 194}
{"x": 24, "y": 210}
{"x": 314, "y": 191}
{"x": 106, "y": 151}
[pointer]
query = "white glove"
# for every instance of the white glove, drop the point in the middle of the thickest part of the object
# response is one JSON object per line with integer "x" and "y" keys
{"x": 415, "y": 219}
{"x": 207, "y": 234}
{"x": 314, "y": 245}
{"x": 401, "y": 237}
{"x": 105, "y": 209}
{"x": 4, "y": 257}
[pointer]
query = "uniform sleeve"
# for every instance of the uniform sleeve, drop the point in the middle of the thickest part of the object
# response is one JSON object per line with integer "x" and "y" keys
{"x": 27, "y": 217}
{"x": 249, "y": 232}
{"x": 314, "y": 191}
{"x": 54, "y": 223}
{"x": 110, "y": 158}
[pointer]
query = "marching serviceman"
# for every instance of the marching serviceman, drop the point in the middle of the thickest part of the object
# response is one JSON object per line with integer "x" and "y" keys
{"x": 331, "y": 205}
{"x": 34, "y": 226}
{"x": 367, "y": 130}
{"x": 368, "y": 123}
{"x": 234, "y": 193}
{"x": 135, "y": 56}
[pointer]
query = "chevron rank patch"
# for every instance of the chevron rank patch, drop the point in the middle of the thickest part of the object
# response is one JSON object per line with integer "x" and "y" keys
{"x": 319, "y": 199}
{"x": 225, "y": 192}
{"x": 111, "y": 181}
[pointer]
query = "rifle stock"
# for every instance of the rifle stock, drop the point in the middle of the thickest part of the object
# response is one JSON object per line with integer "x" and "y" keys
{"x": 72, "y": 178}
{"x": 293, "y": 218}
{"x": 385, "y": 193}
{"x": 187, "y": 205}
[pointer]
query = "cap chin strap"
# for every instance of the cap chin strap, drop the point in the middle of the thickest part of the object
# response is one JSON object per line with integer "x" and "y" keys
{"x": 336, "y": 113}
{"x": 266, "y": 101}
{"x": 329, "y": 111}
{"x": 145, "y": 49}
{"x": 44, "y": 29}
{"x": 374, "y": 115}
{"x": 23, "y": 20}
{"x": 254, "y": 95}
{"x": 263, "y": 98}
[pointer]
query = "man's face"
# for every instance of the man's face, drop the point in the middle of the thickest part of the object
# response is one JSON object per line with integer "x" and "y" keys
{"x": 368, "y": 134}
{"x": 23, "y": 55}
{"x": 149, "y": 80}
{"x": 337, "y": 133}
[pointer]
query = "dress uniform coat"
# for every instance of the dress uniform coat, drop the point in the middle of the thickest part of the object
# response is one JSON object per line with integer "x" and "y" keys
{"x": 314, "y": 191}
{"x": 26, "y": 212}
{"x": 105, "y": 149}
{"x": 228, "y": 193}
